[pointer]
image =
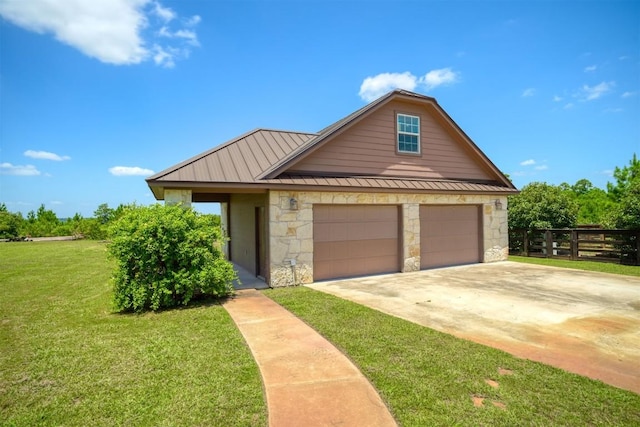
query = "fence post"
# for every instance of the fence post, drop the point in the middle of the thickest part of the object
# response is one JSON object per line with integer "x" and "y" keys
{"x": 574, "y": 244}
{"x": 549, "y": 243}
{"x": 525, "y": 239}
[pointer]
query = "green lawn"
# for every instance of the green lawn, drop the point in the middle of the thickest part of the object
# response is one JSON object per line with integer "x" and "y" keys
{"x": 430, "y": 378}
{"x": 67, "y": 359}
{"x": 602, "y": 267}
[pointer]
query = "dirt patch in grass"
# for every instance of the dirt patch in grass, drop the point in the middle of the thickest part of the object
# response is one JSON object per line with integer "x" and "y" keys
{"x": 570, "y": 345}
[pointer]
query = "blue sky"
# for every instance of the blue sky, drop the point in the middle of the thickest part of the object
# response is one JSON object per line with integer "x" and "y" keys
{"x": 97, "y": 94}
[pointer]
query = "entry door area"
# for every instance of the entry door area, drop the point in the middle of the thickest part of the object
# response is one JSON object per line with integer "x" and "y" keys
{"x": 354, "y": 240}
{"x": 449, "y": 235}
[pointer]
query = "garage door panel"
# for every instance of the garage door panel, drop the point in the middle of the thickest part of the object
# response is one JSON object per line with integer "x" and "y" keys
{"x": 371, "y": 231}
{"x": 449, "y": 235}
{"x": 373, "y": 248}
{"x": 354, "y": 240}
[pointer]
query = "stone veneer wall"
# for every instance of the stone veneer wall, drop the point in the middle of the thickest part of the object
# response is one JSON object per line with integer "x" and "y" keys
{"x": 291, "y": 230}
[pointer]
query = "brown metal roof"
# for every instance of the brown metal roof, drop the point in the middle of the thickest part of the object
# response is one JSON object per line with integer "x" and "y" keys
{"x": 239, "y": 160}
{"x": 259, "y": 159}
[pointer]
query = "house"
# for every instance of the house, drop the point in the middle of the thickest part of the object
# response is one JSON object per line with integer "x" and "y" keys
{"x": 396, "y": 186}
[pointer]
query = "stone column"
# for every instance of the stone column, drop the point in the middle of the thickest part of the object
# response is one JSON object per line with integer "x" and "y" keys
{"x": 410, "y": 237}
{"x": 291, "y": 239}
{"x": 495, "y": 230}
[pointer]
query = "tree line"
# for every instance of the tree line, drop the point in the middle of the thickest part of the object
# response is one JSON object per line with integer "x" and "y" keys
{"x": 44, "y": 223}
{"x": 542, "y": 206}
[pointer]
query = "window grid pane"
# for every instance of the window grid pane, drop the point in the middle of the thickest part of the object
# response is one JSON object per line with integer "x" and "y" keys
{"x": 408, "y": 133}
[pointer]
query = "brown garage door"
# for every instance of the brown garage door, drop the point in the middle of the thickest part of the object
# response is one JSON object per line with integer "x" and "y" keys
{"x": 449, "y": 235}
{"x": 354, "y": 240}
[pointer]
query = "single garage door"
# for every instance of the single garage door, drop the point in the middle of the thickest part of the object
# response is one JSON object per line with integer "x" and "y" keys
{"x": 354, "y": 240}
{"x": 449, "y": 235}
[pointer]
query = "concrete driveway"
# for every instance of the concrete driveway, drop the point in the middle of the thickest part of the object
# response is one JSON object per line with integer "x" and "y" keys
{"x": 583, "y": 322}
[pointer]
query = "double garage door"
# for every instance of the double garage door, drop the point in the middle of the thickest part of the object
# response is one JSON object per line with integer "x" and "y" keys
{"x": 358, "y": 240}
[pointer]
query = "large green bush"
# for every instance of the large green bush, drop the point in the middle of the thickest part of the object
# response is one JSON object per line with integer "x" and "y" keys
{"x": 165, "y": 255}
{"x": 540, "y": 205}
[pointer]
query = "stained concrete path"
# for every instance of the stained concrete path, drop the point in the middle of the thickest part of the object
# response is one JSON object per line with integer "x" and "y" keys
{"x": 580, "y": 321}
{"x": 307, "y": 381}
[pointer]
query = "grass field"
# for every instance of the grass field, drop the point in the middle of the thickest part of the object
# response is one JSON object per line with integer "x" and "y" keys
{"x": 67, "y": 359}
{"x": 430, "y": 378}
{"x": 602, "y": 267}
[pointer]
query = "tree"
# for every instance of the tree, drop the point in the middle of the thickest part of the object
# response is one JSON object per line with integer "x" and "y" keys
{"x": 624, "y": 178}
{"x": 43, "y": 223}
{"x": 582, "y": 187}
{"x": 540, "y": 205}
{"x": 165, "y": 255}
{"x": 627, "y": 215}
{"x": 595, "y": 207}
{"x": 10, "y": 223}
{"x": 104, "y": 214}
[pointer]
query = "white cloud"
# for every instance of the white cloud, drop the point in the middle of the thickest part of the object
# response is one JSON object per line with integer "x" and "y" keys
{"x": 193, "y": 21}
{"x": 45, "y": 155}
{"x": 557, "y": 98}
{"x": 541, "y": 167}
{"x": 443, "y": 76}
{"x": 18, "y": 170}
{"x": 590, "y": 68}
{"x": 528, "y": 92}
{"x": 378, "y": 85}
{"x": 130, "y": 171}
{"x": 568, "y": 106}
{"x": 163, "y": 57}
{"x": 589, "y": 93}
{"x": 528, "y": 162}
{"x": 614, "y": 110}
{"x": 628, "y": 94}
{"x": 112, "y": 31}
{"x": 164, "y": 13}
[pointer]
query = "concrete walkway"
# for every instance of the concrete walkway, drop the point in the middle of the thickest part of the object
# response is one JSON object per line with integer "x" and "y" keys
{"x": 247, "y": 280}
{"x": 307, "y": 381}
